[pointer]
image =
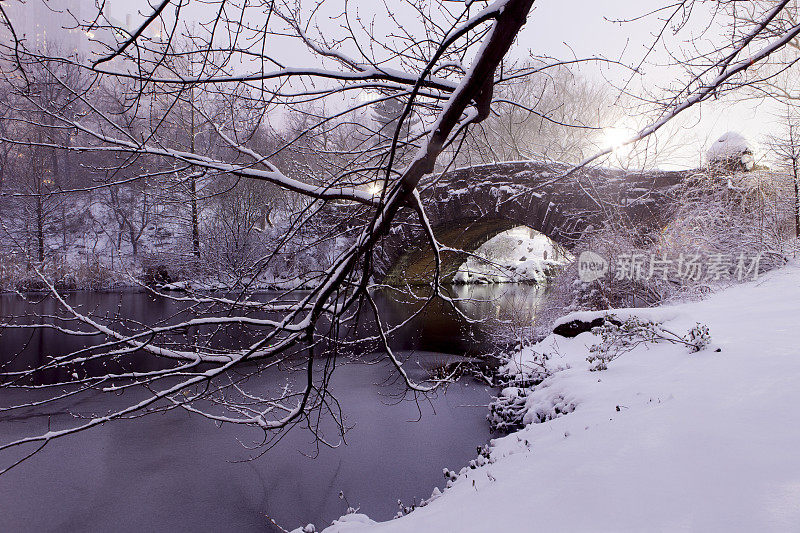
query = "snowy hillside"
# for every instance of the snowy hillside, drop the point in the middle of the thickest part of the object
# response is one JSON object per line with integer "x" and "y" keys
{"x": 663, "y": 440}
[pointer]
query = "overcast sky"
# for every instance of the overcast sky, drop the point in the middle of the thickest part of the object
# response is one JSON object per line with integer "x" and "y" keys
{"x": 585, "y": 28}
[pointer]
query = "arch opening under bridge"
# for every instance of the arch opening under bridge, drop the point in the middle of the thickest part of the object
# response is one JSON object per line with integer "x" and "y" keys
{"x": 467, "y": 207}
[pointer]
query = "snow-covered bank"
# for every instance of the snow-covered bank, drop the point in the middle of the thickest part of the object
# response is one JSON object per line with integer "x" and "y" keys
{"x": 663, "y": 440}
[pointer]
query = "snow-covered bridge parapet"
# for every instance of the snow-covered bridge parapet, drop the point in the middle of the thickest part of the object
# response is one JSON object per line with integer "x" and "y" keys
{"x": 471, "y": 205}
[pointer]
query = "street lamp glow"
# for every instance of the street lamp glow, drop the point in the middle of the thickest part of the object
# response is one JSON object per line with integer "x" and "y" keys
{"x": 366, "y": 96}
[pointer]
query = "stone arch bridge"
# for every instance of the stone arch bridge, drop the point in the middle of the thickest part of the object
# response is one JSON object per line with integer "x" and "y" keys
{"x": 469, "y": 206}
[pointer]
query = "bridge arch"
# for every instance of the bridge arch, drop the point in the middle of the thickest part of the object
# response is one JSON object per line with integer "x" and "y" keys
{"x": 418, "y": 263}
{"x": 469, "y": 206}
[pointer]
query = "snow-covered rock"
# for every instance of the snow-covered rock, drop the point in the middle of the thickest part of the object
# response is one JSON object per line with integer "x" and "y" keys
{"x": 655, "y": 314}
{"x": 734, "y": 151}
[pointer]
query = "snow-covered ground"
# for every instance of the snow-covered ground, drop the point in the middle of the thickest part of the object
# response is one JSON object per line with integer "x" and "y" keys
{"x": 519, "y": 254}
{"x": 663, "y": 440}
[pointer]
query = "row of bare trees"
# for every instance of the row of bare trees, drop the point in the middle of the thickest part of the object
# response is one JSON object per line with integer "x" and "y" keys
{"x": 63, "y": 206}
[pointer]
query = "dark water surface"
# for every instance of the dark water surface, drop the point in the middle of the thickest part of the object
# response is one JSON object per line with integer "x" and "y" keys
{"x": 179, "y": 472}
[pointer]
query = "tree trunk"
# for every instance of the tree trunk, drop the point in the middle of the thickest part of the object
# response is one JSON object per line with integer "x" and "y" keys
{"x": 40, "y": 228}
{"x": 195, "y": 223}
{"x": 134, "y": 240}
{"x": 796, "y": 199}
{"x": 795, "y": 155}
{"x": 193, "y": 182}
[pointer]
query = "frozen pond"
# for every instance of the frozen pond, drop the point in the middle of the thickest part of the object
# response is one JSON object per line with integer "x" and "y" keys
{"x": 179, "y": 472}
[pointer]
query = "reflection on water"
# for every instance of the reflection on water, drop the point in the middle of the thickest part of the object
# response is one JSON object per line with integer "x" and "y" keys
{"x": 179, "y": 472}
{"x": 515, "y": 303}
{"x": 491, "y": 310}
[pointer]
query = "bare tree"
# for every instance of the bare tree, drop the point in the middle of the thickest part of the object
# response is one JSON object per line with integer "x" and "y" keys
{"x": 556, "y": 115}
{"x": 444, "y": 69}
{"x": 41, "y": 168}
{"x": 236, "y": 236}
{"x": 787, "y": 148}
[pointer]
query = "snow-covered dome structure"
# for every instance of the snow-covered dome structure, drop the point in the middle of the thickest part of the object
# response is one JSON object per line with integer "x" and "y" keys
{"x": 732, "y": 151}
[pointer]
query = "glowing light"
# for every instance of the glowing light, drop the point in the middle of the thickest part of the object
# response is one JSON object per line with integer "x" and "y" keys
{"x": 90, "y": 34}
{"x": 615, "y": 138}
{"x": 374, "y": 189}
{"x": 366, "y": 95}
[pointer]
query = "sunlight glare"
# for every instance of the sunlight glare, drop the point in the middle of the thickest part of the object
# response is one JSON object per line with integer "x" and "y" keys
{"x": 614, "y": 138}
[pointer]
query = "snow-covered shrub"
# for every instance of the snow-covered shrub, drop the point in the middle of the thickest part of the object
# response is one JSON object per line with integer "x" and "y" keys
{"x": 567, "y": 292}
{"x": 620, "y": 337}
{"x": 511, "y": 410}
{"x": 515, "y": 373}
{"x": 733, "y": 213}
{"x": 516, "y": 407}
{"x": 727, "y": 216}
{"x": 450, "y": 475}
{"x": 19, "y": 273}
{"x": 94, "y": 274}
{"x": 163, "y": 267}
{"x": 508, "y": 409}
{"x": 403, "y": 509}
{"x": 484, "y": 457}
{"x": 699, "y": 337}
{"x": 542, "y": 412}
{"x": 12, "y": 267}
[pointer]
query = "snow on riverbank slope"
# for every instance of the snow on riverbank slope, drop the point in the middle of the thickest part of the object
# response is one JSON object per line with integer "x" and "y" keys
{"x": 706, "y": 441}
